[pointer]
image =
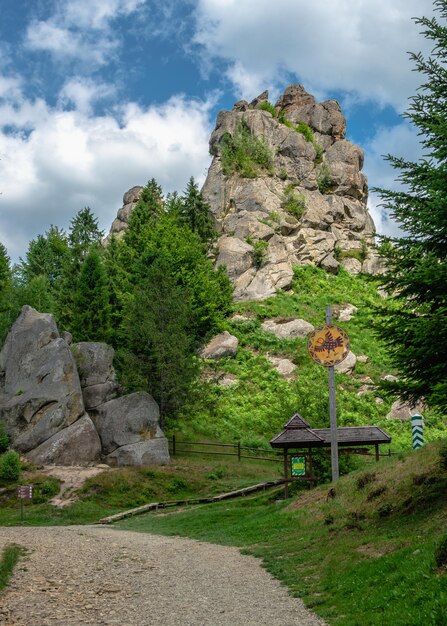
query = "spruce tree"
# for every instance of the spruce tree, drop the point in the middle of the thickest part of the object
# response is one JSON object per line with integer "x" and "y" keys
{"x": 196, "y": 213}
{"x": 416, "y": 331}
{"x": 91, "y": 315}
{"x": 46, "y": 256}
{"x": 84, "y": 233}
{"x": 148, "y": 209}
{"x": 162, "y": 359}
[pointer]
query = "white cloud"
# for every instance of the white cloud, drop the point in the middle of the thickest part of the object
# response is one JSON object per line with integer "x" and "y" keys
{"x": 399, "y": 141}
{"x": 338, "y": 45}
{"x": 80, "y": 29}
{"x": 71, "y": 159}
{"x": 83, "y": 93}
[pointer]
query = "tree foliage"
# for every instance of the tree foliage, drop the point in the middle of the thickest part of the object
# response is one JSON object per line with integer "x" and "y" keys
{"x": 91, "y": 316}
{"x": 416, "y": 331}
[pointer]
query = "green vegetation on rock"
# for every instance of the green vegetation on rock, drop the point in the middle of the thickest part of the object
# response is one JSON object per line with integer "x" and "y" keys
{"x": 245, "y": 154}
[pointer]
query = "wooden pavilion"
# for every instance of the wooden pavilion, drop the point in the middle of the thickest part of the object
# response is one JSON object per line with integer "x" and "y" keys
{"x": 300, "y": 438}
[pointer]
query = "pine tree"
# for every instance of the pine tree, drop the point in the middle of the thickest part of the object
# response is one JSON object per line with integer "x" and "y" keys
{"x": 119, "y": 285}
{"x": 7, "y": 304}
{"x": 196, "y": 213}
{"x": 91, "y": 315}
{"x": 416, "y": 331}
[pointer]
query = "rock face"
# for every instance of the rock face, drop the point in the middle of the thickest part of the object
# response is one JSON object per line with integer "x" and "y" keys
{"x": 121, "y": 221}
{"x": 40, "y": 392}
{"x": 323, "y": 175}
{"x": 308, "y": 207}
{"x": 46, "y": 387}
{"x": 96, "y": 373}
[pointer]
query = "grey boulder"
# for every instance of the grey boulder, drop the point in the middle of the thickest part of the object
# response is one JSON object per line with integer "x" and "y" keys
{"x": 220, "y": 346}
{"x": 40, "y": 393}
{"x": 126, "y": 420}
{"x": 75, "y": 445}
{"x": 288, "y": 329}
{"x": 96, "y": 373}
{"x": 151, "y": 452}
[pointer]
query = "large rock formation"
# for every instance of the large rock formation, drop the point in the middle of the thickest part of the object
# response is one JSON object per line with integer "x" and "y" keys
{"x": 40, "y": 393}
{"x": 308, "y": 207}
{"x": 46, "y": 388}
{"x": 321, "y": 174}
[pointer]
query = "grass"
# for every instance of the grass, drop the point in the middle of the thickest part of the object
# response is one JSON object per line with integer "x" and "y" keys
{"x": 10, "y": 555}
{"x": 125, "y": 488}
{"x": 357, "y": 559}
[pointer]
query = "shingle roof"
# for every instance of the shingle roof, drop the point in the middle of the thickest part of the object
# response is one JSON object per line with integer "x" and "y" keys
{"x": 297, "y": 433}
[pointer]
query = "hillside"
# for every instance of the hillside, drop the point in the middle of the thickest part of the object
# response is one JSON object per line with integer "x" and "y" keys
{"x": 245, "y": 397}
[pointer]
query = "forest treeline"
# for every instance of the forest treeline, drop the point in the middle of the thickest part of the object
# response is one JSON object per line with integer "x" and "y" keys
{"x": 154, "y": 294}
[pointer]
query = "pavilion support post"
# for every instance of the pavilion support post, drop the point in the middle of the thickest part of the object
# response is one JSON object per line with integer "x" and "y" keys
{"x": 332, "y": 410}
{"x": 311, "y": 471}
{"x": 377, "y": 452}
{"x": 286, "y": 474}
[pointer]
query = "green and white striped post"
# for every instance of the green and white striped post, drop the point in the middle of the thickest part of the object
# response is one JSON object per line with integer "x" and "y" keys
{"x": 417, "y": 431}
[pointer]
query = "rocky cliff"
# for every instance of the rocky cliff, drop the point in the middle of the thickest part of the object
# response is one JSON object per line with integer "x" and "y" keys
{"x": 285, "y": 188}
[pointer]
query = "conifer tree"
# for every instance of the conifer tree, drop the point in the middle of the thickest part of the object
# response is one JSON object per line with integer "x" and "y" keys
{"x": 158, "y": 338}
{"x": 46, "y": 256}
{"x": 196, "y": 213}
{"x": 6, "y": 300}
{"x": 91, "y": 315}
{"x": 148, "y": 209}
{"x": 416, "y": 331}
{"x": 84, "y": 233}
{"x": 119, "y": 285}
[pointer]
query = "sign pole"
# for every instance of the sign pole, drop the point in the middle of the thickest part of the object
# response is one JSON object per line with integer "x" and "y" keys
{"x": 332, "y": 410}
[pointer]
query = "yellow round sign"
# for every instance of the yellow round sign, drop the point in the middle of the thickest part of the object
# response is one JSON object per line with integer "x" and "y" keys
{"x": 328, "y": 345}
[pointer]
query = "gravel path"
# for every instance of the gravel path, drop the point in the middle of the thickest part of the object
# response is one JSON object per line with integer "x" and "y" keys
{"x": 80, "y": 575}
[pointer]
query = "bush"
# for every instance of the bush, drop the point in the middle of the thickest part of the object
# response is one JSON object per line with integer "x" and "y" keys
{"x": 245, "y": 153}
{"x": 324, "y": 179}
{"x": 306, "y": 131}
{"x": 4, "y": 439}
{"x": 260, "y": 252}
{"x": 10, "y": 466}
{"x": 319, "y": 151}
{"x": 293, "y": 202}
{"x": 268, "y": 106}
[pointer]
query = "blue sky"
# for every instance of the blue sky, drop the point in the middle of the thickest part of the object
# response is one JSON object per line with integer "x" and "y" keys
{"x": 99, "y": 95}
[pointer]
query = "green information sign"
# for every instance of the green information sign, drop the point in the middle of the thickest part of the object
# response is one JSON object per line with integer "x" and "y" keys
{"x": 298, "y": 466}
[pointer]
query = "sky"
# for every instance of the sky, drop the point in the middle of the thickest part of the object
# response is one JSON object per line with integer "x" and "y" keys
{"x": 97, "y": 96}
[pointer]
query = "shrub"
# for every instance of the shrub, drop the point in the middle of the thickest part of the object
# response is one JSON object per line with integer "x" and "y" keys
{"x": 441, "y": 552}
{"x": 46, "y": 490}
{"x": 319, "y": 151}
{"x": 10, "y": 466}
{"x": 4, "y": 439}
{"x": 245, "y": 153}
{"x": 268, "y": 106}
{"x": 324, "y": 179}
{"x": 293, "y": 202}
{"x": 283, "y": 174}
{"x": 260, "y": 252}
{"x": 306, "y": 131}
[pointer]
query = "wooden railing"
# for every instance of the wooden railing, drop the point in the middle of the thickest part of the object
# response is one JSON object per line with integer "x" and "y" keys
{"x": 181, "y": 447}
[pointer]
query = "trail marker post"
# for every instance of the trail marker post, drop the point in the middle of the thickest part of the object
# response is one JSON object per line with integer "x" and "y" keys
{"x": 328, "y": 346}
{"x": 24, "y": 492}
{"x": 417, "y": 431}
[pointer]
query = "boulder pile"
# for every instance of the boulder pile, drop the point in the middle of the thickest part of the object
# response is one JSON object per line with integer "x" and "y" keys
{"x": 59, "y": 401}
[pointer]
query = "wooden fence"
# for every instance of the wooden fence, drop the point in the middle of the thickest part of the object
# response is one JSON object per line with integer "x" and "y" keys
{"x": 229, "y": 449}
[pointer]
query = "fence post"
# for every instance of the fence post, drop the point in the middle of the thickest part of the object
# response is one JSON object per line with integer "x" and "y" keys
{"x": 173, "y": 445}
{"x": 238, "y": 450}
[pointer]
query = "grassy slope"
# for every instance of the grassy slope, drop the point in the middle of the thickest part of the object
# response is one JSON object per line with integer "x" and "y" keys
{"x": 8, "y": 560}
{"x": 256, "y": 407}
{"x": 363, "y": 558}
{"x": 125, "y": 488}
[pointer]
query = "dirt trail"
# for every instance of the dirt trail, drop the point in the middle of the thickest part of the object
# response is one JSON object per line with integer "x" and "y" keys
{"x": 78, "y": 575}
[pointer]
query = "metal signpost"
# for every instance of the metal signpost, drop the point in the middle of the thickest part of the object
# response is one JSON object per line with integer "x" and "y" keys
{"x": 24, "y": 492}
{"x": 328, "y": 346}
